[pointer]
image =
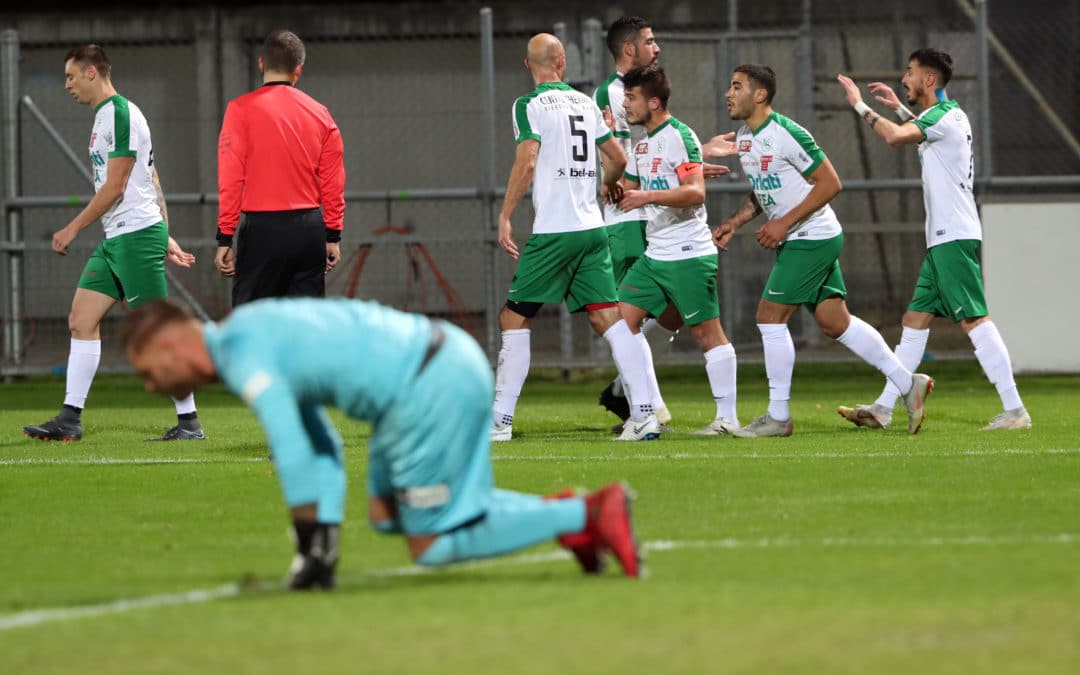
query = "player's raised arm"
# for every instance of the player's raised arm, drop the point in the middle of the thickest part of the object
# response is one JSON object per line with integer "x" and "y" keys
{"x": 892, "y": 133}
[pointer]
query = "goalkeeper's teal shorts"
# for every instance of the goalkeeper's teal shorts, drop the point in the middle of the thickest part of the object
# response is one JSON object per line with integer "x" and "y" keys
{"x": 430, "y": 451}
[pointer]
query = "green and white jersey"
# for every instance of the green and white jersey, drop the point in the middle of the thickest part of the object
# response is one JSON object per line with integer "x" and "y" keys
{"x": 777, "y": 158}
{"x": 668, "y": 153}
{"x": 120, "y": 130}
{"x": 611, "y": 94}
{"x": 569, "y": 126}
{"x": 948, "y": 171}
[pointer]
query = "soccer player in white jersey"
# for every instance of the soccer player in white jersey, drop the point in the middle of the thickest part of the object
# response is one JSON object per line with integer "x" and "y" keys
{"x": 128, "y": 266}
{"x": 566, "y": 259}
{"x": 632, "y": 45}
{"x": 950, "y": 281}
{"x": 679, "y": 266}
{"x": 792, "y": 183}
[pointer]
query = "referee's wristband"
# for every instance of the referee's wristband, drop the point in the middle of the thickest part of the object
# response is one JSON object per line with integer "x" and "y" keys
{"x": 224, "y": 239}
{"x": 332, "y": 236}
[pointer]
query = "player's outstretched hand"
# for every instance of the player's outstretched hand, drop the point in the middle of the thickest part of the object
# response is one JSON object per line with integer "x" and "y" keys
{"x": 506, "y": 237}
{"x": 714, "y": 170}
{"x": 224, "y": 261}
{"x": 633, "y": 199}
{"x": 885, "y": 95}
{"x": 851, "y": 90}
{"x": 720, "y": 146}
{"x": 62, "y": 239}
{"x": 177, "y": 255}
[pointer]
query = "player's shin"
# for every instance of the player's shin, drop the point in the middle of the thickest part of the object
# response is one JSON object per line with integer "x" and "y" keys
{"x": 513, "y": 367}
{"x": 626, "y": 351}
{"x": 910, "y": 351}
{"x": 512, "y": 521}
{"x": 866, "y": 343}
{"x": 779, "y": 365}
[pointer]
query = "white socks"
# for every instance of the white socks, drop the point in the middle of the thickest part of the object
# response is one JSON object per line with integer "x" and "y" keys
{"x": 628, "y": 351}
{"x": 659, "y": 339}
{"x": 993, "y": 356}
{"x": 861, "y": 338}
{"x": 510, "y": 374}
{"x": 650, "y": 372}
{"x": 910, "y": 351}
{"x": 83, "y": 362}
{"x": 721, "y": 366}
{"x": 779, "y": 364}
{"x": 185, "y": 406}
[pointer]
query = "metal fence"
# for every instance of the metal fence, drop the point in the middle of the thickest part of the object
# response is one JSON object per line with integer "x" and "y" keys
{"x": 424, "y": 109}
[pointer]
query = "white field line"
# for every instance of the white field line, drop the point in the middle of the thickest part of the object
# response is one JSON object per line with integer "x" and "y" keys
{"x": 658, "y": 456}
{"x": 120, "y": 461}
{"x": 58, "y": 614}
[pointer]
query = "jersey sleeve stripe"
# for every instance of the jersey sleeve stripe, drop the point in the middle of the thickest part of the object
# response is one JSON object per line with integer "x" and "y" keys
{"x": 805, "y": 141}
{"x": 631, "y": 177}
{"x": 604, "y": 139}
{"x": 521, "y": 115}
{"x": 931, "y": 117}
{"x": 122, "y": 129}
{"x": 622, "y": 134}
{"x": 693, "y": 150}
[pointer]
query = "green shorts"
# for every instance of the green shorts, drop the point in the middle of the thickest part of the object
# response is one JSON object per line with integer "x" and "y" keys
{"x": 627, "y": 244}
{"x": 574, "y": 267}
{"x": 807, "y": 273}
{"x": 130, "y": 267}
{"x": 688, "y": 284}
{"x": 950, "y": 282}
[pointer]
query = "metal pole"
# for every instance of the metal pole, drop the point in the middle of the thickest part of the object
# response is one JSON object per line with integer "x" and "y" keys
{"x": 52, "y": 133}
{"x": 982, "y": 36}
{"x": 9, "y": 119}
{"x": 487, "y": 76}
{"x": 733, "y": 15}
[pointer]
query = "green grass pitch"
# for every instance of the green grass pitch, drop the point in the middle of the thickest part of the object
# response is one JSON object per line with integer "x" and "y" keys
{"x": 834, "y": 551}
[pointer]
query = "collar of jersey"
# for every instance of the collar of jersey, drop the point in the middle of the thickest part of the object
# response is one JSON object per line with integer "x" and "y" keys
{"x": 548, "y": 86}
{"x": 666, "y": 123}
{"x": 764, "y": 124}
{"x": 98, "y": 106}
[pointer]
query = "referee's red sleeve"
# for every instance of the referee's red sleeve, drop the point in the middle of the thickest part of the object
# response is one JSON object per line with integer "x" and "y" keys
{"x": 332, "y": 180}
{"x": 232, "y": 155}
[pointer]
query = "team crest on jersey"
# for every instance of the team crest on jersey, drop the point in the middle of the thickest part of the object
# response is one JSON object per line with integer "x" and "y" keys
{"x": 766, "y": 160}
{"x": 641, "y": 149}
{"x": 108, "y": 138}
{"x": 656, "y": 162}
{"x": 744, "y": 146}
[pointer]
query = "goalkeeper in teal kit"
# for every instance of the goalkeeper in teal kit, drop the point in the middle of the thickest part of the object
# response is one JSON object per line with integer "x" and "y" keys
{"x": 427, "y": 389}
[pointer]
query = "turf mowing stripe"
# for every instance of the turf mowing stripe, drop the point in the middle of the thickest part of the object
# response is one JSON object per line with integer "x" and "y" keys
{"x": 42, "y": 616}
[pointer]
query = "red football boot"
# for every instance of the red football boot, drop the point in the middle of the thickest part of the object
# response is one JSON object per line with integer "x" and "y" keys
{"x": 608, "y": 519}
{"x": 583, "y": 545}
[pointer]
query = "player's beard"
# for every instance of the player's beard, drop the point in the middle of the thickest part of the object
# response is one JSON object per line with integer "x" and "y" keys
{"x": 914, "y": 94}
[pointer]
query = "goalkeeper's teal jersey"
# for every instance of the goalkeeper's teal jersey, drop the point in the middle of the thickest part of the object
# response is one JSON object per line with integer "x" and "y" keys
{"x": 282, "y": 354}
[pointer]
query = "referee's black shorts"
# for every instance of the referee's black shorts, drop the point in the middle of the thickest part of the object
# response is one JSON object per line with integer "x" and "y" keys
{"x": 280, "y": 253}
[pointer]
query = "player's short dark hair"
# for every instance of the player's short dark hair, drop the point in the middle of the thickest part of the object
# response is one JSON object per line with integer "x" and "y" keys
{"x": 143, "y": 323}
{"x": 934, "y": 59}
{"x": 283, "y": 51}
{"x": 652, "y": 80}
{"x": 88, "y": 55}
{"x": 762, "y": 77}
{"x": 624, "y": 29}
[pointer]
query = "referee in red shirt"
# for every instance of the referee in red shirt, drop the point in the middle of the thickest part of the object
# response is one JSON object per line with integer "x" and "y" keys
{"x": 280, "y": 158}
